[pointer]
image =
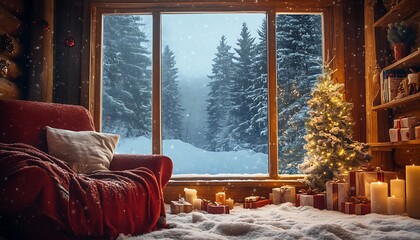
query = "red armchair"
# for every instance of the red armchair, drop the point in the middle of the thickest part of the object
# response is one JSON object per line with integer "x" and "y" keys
{"x": 42, "y": 198}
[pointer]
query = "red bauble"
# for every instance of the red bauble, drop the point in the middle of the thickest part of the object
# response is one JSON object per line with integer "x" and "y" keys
{"x": 45, "y": 25}
{"x": 69, "y": 41}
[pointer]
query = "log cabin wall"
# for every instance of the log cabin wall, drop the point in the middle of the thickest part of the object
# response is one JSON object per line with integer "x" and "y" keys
{"x": 14, "y": 45}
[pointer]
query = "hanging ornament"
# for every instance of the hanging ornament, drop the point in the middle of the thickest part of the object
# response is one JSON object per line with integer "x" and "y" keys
{"x": 44, "y": 24}
{"x": 69, "y": 41}
{"x": 6, "y": 44}
{"x": 4, "y": 67}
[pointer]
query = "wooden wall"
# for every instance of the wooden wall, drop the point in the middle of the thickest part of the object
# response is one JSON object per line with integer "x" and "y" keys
{"x": 14, "y": 42}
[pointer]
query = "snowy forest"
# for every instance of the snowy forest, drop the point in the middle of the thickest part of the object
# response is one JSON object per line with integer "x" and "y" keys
{"x": 236, "y": 100}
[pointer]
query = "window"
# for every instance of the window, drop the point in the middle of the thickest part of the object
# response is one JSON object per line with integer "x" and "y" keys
{"x": 216, "y": 94}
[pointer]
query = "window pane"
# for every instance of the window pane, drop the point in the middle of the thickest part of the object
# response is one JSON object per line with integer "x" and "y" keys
{"x": 299, "y": 61}
{"x": 214, "y": 93}
{"x": 126, "y": 81}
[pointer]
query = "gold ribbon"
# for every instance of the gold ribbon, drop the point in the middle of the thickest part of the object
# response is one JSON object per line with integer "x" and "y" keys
{"x": 309, "y": 191}
{"x": 358, "y": 199}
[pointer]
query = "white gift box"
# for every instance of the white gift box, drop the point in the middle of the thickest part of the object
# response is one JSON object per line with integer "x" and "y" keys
{"x": 407, "y": 134}
{"x": 336, "y": 194}
{"x": 394, "y": 135}
{"x": 408, "y": 122}
{"x": 284, "y": 194}
{"x": 397, "y": 123}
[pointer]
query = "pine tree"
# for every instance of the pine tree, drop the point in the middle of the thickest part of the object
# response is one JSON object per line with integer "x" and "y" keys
{"x": 171, "y": 98}
{"x": 259, "y": 94}
{"x": 126, "y": 77}
{"x": 299, "y": 53}
{"x": 219, "y": 100}
{"x": 240, "y": 115}
{"x": 330, "y": 148}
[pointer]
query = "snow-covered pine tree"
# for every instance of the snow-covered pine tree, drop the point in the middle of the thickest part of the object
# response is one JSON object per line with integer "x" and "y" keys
{"x": 240, "y": 116}
{"x": 126, "y": 77}
{"x": 171, "y": 98}
{"x": 299, "y": 54}
{"x": 331, "y": 150}
{"x": 258, "y": 94}
{"x": 219, "y": 101}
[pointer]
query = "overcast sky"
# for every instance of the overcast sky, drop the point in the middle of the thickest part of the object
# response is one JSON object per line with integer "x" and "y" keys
{"x": 194, "y": 37}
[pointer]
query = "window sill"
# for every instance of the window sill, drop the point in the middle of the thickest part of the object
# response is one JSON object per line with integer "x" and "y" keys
{"x": 235, "y": 187}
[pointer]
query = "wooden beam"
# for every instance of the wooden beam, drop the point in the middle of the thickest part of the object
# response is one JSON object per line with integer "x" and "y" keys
{"x": 156, "y": 85}
{"x": 41, "y": 78}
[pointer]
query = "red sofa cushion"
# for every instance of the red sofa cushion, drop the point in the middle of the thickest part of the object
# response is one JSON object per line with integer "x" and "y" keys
{"x": 21, "y": 121}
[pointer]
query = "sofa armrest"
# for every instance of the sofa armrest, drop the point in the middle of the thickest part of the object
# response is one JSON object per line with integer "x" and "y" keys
{"x": 161, "y": 165}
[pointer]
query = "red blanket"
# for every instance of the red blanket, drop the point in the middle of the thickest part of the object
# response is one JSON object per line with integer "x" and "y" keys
{"x": 102, "y": 204}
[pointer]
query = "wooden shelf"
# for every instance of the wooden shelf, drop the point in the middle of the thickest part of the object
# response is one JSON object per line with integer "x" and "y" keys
{"x": 389, "y": 145}
{"x": 398, "y": 102}
{"x": 411, "y": 60}
{"x": 403, "y": 10}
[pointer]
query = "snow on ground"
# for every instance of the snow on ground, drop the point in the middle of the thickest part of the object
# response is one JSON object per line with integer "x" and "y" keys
{"x": 188, "y": 159}
{"x": 284, "y": 222}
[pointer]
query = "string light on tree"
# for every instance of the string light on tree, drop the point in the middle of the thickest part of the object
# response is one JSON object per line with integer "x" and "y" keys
{"x": 330, "y": 148}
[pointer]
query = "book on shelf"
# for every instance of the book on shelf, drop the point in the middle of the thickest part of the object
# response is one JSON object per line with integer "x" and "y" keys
{"x": 390, "y": 82}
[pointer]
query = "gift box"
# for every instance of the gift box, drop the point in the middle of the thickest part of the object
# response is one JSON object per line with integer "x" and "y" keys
{"x": 397, "y": 123}
{"x": 409, "y": 122}
{"x": 407, "y": 134}
{"x": 284, "y": 194}
{"x": 337, "y": 192}
{"x": 257, "y": 204}
{"x": 361, "y": 180}
{"x": 352, "y": 181}
{"x": 355, "y": 208}
{"x": 417, "y": 132}
{"x": 180, "y": 207}
{"x": 394, "y": 134}
{"x": 204, "y": 203}
{"x": 313, "y": 200}
{"x": 215, "y": 208}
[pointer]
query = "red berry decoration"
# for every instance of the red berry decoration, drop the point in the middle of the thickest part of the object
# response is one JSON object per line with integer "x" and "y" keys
{"x": 45, "y": 25}
{"x": 69, "y": 41}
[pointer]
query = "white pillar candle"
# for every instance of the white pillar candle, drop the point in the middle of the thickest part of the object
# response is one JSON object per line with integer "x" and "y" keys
{"x": 397, "y": 188}
{"x": 190, "y": 195}
{"x": 197, "y": 204}
{"x": 230, "y": 203}
{"x": 412, "y": 178}
{"x": 395, "y": 205}
{"x": 221, "y": 197}
{"x": 378, "y": 197}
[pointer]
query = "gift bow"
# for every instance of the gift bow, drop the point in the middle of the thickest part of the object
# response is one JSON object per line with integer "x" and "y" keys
{"x": 336, "y": 180}
{"x": 309, "y": 191}
{"x": 359, "y": 199}
{"x": 283, "y": 191}
{"x": 370, "y": 168}
{"x": 181, "y": 199}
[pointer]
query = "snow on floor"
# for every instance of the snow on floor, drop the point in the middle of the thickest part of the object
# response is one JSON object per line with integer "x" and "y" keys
{"x": 284, "y": 222}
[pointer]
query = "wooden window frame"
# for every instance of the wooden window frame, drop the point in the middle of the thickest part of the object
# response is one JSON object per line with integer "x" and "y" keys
{"x": 333, "y": 45}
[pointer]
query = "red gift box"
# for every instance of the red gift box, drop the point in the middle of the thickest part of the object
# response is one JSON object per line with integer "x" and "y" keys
{"x": 313, "y": 200}
{"x": 258, "y": 203}
{"x": 217, "y": 209}
{"x": 355, "y": 208}
{"x": 204, "y": 204}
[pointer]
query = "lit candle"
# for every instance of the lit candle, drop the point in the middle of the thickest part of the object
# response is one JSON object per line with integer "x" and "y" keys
{"x": 412, "y": 178}
{"x": 197, "y": 204}
{"x": 395, "y": 205}
{"x": 190, "y": 195}
{"x": 221, "y": 197}
{"x": 398, "y": 188}
{"x": 230, "y": 203}
{"x": 378, "y": 197}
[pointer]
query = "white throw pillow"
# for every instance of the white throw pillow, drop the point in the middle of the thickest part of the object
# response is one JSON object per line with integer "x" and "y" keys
{"x": 84, "y": 151}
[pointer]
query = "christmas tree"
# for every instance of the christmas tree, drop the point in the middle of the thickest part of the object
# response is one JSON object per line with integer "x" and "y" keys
{"x": 330, "y": 148}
